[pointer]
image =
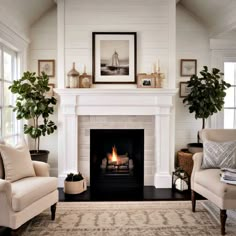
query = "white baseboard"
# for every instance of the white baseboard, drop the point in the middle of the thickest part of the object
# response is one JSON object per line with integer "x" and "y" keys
{"x": 162, "y": 181}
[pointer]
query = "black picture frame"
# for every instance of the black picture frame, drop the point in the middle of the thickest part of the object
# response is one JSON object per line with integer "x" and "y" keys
{"x": 114, "y": 57}
{"x": 188, "y": 67}
{"x": 183, "y": 89}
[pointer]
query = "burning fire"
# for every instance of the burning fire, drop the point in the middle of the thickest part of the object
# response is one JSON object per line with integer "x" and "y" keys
{"x": 113, "y": 157}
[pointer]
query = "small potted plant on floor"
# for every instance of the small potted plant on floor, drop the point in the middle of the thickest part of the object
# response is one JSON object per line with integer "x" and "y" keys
{"x": 34, "y": 105}
{"x": 206, "y": 96}
{"x": 74, "y": 184}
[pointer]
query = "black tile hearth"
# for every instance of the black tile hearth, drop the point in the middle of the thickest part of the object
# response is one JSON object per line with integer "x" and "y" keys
{"x": 149, "y": 193}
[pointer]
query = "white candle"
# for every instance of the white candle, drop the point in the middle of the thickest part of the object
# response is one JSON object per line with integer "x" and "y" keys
{"x": 158, "y": 65}
{"x": 84, "y": 68}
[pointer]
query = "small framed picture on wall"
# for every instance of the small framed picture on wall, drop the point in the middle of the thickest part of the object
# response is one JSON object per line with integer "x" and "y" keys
{"x": 188, "y": 67}
{"x": 46, "y": 66}
{"x": 50, "y": 93}
{"x": 183, "y": 89}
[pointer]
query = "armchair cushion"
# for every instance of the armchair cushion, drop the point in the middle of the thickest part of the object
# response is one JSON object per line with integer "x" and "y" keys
{"x": 219, "y": 154}
{"x": 28, "y": 190}
{"x": 210, "y": 180}
{"x": 41, "y": 168}
{"x": 17, "y": 161}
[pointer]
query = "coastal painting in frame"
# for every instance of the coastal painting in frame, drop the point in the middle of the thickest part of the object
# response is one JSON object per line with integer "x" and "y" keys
{"x": 114, "y": 57}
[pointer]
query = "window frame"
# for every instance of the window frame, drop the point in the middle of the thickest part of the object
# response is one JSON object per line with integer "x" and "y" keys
{"x": 15, "y": 63}
{"x": 230, "y": 60}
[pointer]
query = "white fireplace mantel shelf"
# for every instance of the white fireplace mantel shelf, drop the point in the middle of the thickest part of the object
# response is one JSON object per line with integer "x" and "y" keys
{"x": 116, "y": 101}
{"x": 77, "y": 91}
{"x": 96, "y": 101}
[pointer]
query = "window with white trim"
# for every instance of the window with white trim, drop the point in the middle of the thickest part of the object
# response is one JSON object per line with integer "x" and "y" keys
{"x": 9, "y": 127}
{"x": 230, "y": 99}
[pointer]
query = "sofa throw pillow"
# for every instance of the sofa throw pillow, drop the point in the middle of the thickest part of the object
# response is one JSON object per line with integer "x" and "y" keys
{"x": 219, "y": 154}
{"x": 17, "y": 161}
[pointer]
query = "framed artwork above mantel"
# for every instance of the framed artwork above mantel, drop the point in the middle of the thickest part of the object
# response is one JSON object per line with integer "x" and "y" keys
{"x": 114, "y": 57}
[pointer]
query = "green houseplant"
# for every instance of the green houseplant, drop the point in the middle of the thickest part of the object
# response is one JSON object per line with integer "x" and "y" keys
{"x": 207, "y": 94}
{"x": 74, "y": 184}
{"x": 34, "y": 105}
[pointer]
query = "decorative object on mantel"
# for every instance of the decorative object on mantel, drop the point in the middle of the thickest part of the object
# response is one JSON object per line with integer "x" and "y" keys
{"x": 180, "y": 180}
{"x": 32, "y": 103}
{"x": 85, "y": 80}
{"x": 146, "y": 81}
{"x": 159, "y": 76}
{"x": 46, "y": 66}
{"x": 75, "y": 184}
{"x": 206, "y": 95}
{"x": 114, "y": 57}
{"x": 188, "y": 67}
{"x": 72, "y": 78}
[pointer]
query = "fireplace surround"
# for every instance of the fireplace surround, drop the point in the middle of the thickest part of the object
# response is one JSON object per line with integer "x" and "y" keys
{"x": 158, "y": 103}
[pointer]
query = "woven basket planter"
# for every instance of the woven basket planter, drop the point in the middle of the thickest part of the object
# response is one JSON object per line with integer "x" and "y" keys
{"x": 75, "y": 187}
{"x": 185, "y": 161}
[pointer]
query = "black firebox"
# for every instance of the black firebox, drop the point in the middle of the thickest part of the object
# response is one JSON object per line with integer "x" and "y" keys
{"x": 116, "y": 163}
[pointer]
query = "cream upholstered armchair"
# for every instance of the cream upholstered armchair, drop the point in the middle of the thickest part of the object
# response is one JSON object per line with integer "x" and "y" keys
{"x": 23, "y": 197}
{"x": 206, "y": 181}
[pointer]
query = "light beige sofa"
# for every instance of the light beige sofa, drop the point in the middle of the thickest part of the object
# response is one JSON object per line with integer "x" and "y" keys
{"x": 23, "y": 199}
{"x": 207, "y": 182}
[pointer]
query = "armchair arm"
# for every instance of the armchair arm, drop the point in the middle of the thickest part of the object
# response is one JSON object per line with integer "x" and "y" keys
{"x": 41, "y": 168}
{"x": 197, "y": 162}
{"x": 5, "y": 188}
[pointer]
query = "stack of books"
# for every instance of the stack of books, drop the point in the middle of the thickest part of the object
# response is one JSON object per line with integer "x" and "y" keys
{"x": 228, "y": 175}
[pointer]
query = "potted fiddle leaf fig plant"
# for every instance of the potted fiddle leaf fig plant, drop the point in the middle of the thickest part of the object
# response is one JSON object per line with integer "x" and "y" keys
{"x": 33, "y": 104}
{"x": 74, "y": 184}
{"x": 206, "y": 97}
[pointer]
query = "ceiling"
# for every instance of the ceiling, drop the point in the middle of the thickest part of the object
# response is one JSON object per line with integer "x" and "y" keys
{"x": 217, "y": 15}
{"x": 21, "y": 14}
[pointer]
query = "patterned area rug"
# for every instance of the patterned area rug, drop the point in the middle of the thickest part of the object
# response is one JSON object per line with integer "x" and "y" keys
{"x": 129, "y": 219}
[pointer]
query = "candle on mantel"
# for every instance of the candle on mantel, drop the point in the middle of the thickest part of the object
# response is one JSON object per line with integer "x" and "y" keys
{"x": 158, "y": 66}
{"x": 84, "y": 69}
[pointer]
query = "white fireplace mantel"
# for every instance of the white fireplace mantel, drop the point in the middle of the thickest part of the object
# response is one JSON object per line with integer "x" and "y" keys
{"x": 98, "y": 101}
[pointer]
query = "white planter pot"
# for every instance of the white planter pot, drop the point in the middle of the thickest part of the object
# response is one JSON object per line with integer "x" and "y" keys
{"x": 75, "y": 187}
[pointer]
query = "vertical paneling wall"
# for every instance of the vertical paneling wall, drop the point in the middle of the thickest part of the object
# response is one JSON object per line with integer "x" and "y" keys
{"x": 192, "y": 42}
{"x": 149, "y": 18}
{"x": 43, "y": 46}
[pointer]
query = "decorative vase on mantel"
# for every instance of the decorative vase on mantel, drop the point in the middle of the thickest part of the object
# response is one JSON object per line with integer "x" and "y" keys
{"x": 72, "y": 78}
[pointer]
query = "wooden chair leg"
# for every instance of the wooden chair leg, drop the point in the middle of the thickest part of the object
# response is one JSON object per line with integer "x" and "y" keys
{"x": 223, "y": 217}
{"x": 53, "y": 211}
{"x": 193, "y": 197}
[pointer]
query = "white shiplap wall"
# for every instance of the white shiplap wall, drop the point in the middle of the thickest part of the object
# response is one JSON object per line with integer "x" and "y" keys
{"x": 151, "y": 21}
{"x": 149, "y": 18}
{"x": 192, "y": 42}
{"x": 43, "y": 46}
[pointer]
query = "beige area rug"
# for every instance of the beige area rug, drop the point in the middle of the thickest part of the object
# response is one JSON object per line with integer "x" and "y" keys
{"x": 129, "y": 219}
